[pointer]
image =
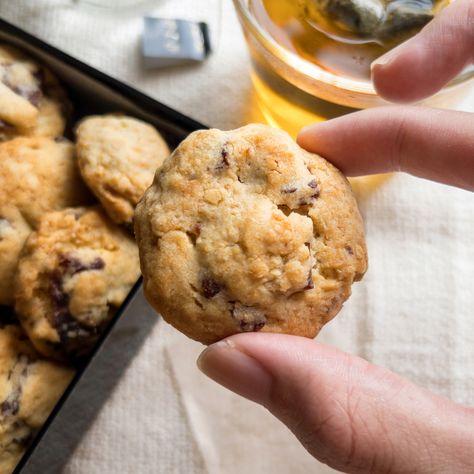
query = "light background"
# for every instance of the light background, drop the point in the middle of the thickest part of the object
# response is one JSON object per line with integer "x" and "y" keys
{"x": 412, "y": 313}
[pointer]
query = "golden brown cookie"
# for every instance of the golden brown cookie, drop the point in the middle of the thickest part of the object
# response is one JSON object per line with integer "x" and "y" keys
{"x": 245, "y": 231}
{"x": 74, "y": 271}
{"x": 39, "y": 175}
{"x": 32, "y": 101}
{"x": 118, "y": 157}
{"x": 29, "y": 389}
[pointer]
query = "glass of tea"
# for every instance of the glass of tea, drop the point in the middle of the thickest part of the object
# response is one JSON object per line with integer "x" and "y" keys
{"x": 311, "y": 58}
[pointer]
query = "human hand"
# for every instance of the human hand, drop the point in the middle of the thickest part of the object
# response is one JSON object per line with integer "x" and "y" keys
{"x": 352, "y": 415}
{"x": 430, "y": 143}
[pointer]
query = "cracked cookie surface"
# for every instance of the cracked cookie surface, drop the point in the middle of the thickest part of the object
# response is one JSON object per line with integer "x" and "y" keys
{"x": 74, "y": 271}
{"x": 118, "y": 157}
{"x": 245, "y": 231}
{"x": 29, "y": 389}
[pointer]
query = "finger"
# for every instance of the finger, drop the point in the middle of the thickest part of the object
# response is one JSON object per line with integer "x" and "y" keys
{"x": 429, "y": 143}
{"x": 422, "y": 65}
{"x": 349, "y": 414}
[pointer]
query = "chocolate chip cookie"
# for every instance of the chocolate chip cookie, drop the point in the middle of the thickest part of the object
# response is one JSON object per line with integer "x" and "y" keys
{"x": 245, "y": 231}
{"x": 32, "y": 101}
{"x": 29, "y": 389}
{"x": 118, "y": 156}
{"x": 39, "y": 175}
{"x": 74, "y": 271}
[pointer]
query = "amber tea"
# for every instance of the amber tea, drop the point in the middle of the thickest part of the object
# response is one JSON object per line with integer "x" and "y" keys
{"x": 337, "y": 38}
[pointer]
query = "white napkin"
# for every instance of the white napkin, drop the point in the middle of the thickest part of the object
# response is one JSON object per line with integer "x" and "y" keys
{"x": 412, "y": 312}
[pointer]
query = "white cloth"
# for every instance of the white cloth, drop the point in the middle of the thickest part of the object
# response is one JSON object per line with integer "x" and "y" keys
{"x": 412, "y": 313}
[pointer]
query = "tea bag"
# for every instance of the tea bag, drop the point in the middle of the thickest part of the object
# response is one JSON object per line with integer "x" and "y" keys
{"x": 404, "y": 17}
{"x": 382, "y": 21}
{"x": 361, "y": 17}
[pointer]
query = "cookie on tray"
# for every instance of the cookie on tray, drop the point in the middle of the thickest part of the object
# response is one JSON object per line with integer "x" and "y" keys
{"x": 14, "y": 231}
{"x": 32, "y": 101}
{"x": 29, "y": 389}
{"x": 39, "y": 175}
{"x": 118, "y": 157}
{"x": 74, "y": 271}
{"x": 245, "y": 231}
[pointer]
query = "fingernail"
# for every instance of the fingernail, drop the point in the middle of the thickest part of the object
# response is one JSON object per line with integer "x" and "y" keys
{"x": 306, "y": 133}
{"x": 386, "y": 58}
{"x": 306, "y": 129}
{"x": 224, "y": 363}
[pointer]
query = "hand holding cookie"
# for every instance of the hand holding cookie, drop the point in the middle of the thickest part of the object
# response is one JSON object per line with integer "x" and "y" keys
{"x": 349, "y": 414}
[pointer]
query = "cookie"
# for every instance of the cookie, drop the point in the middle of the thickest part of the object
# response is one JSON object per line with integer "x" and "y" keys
{"x": 74, "y": 271}
{"x": 33, "y": 102}
{"x": 245, "y": 231}
{"x": 118, "y": 157}
{"x": 13, "y": 233}
{"x": 39, "y": 175}
{"x": 29, "y": 389}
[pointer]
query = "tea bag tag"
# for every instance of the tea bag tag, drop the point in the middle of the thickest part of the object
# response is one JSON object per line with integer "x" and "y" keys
{"x": 170, "y": 42}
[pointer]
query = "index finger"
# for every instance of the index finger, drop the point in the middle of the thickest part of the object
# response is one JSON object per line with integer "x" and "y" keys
{"x": 429, "y": 143}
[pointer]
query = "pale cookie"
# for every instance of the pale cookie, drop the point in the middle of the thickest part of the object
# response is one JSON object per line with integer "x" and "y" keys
{"x": 39, "y": 175}
{"x": 32, "y": 101}
{"x": 74, "y": 271}
{"x": 13, "y": 233}
{"x": 118, "y": 157}
{"x": 29, "y": 389}
{"x": 245, "y": 231}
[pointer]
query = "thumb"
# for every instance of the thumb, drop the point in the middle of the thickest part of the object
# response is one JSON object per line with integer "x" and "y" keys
{"x": 354, "y": 416}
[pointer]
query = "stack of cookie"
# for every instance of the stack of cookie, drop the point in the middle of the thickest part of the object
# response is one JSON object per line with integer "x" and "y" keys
{"x": 67, "y": 262}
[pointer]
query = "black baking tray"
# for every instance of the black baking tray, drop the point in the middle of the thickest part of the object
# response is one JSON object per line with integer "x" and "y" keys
{"x": 93, "y": 92}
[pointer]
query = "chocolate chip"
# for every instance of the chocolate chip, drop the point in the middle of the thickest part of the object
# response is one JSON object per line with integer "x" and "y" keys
{"x": 60, "y": 139}
{"x": 70, "y": 264}
{"x": 31, "y": 93}
{"x": 248, "y": 318}
{"x": 68, "y": 328}
{"x": 6, "y": 126}
{"x": 224, "y": 161}
{"x": 210, "y": 288}
{"x": 289, "y": 189}
{"x": 60, "y": 299}
{"x": 34, "y": 97}
{"x": 10, "y": 407}
{"x": 309, "y": 282}
{"x": 314, "y": 185}
{"x": 349, "y": 250}
{"x": 74, "y": 337}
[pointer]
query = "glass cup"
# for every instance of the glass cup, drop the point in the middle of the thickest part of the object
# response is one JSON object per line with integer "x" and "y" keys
{"x": 293, "y": 92}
